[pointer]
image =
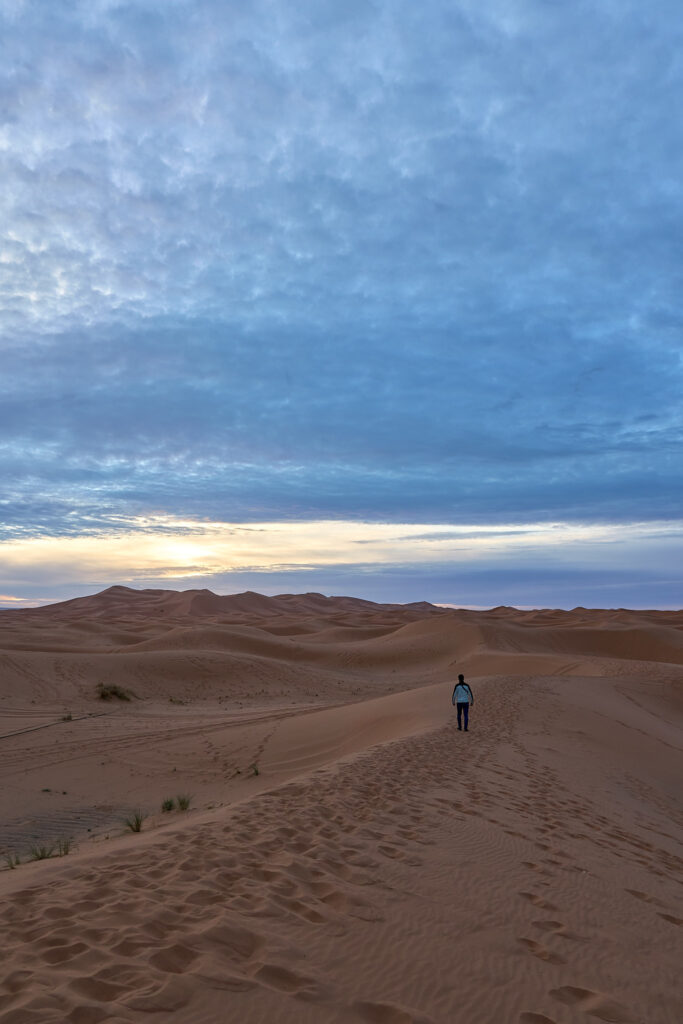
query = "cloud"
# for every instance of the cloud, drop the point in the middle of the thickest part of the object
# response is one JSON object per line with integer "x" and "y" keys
{"x": 543, "y": 563}
{"x": 364, "y": 261}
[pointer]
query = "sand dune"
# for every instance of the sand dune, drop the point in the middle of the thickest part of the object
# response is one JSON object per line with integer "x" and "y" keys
{"x": 337, "y": 638}
{"x": 348, "y": 855}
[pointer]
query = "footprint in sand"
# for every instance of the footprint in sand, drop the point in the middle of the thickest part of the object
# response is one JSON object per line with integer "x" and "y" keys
{"x": 225, "y": 981}
{"x": 532, "y": 866}
{"x": 100, "y": 990}
{"x": 300, "y": 909}
{"x": 91, "y": 1015}
{"x": 280, "y": 978}
{"x": 16, "y": 981}
{"x": 240, "y": 943}
{"x": 174, "y": 959}
{"x": 385, "y": 1013}
{"x": 283, "y": 980}
{"x": 541, "y": 952}
{"x": 556, "y": 928}
{"x": 173, "y": 995}
{"x": 593, "y": 1003}
{"x": 644, "y": 897}
{"x": 60, "y": 954}
{"x": 538, "y": 901}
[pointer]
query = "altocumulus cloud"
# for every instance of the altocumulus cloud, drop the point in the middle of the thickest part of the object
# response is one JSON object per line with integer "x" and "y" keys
{"x": 373, "y": 261}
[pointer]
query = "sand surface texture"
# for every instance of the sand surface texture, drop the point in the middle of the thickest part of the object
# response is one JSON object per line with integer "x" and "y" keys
{"x": 348, "y": 855}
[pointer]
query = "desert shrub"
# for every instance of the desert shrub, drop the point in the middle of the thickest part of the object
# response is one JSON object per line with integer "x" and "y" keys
{"x": 11, "y": 860}
{"x": 63, "y": 847}
{"x": 184, "y": 800}
{"x": 168, "y": 804}
{"x": 109, "y": 691}
{"x": 135, "y": 820}
{"x": 41, "y": 851}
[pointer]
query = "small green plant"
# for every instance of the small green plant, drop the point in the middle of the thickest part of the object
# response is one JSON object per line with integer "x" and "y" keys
{"x": 109, "y": 691}
{"x": 63, "y": 847}
{"x": 253, "y": 768}
{"x": 41, "y": 851}
{"x": 68, "y": 717}
{"x": 184, "y": 800}
{"x": 11, "y": 860}
{"x": 134, "y": 822}
{"x": 168, "y": 804}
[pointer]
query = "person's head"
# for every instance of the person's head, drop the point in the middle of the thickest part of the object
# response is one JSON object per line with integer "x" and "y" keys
{"x": 461, "y": 678}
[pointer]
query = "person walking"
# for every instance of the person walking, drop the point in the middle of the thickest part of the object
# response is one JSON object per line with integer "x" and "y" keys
{"x": 462, "y": 697}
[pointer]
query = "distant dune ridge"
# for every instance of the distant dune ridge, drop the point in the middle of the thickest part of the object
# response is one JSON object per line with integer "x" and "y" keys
{"x": 347, "y": 851}
{"x": 57, "y": 651}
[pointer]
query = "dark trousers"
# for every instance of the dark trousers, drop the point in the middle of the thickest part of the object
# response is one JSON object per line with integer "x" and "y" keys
{"x": 463, "y": 709}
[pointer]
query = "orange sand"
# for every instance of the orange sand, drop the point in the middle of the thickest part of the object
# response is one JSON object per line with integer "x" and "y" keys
{"x": 380, "y": 867}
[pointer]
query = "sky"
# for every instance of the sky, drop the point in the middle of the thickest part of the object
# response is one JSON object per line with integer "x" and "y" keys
{"x": 372, "y": 298}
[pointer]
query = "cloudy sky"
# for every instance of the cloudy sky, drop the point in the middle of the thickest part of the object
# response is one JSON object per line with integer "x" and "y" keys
{"x": 373, "y": 297}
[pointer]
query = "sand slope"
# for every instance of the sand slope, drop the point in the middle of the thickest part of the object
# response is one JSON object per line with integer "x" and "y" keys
{"x": 381, "y": 867}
